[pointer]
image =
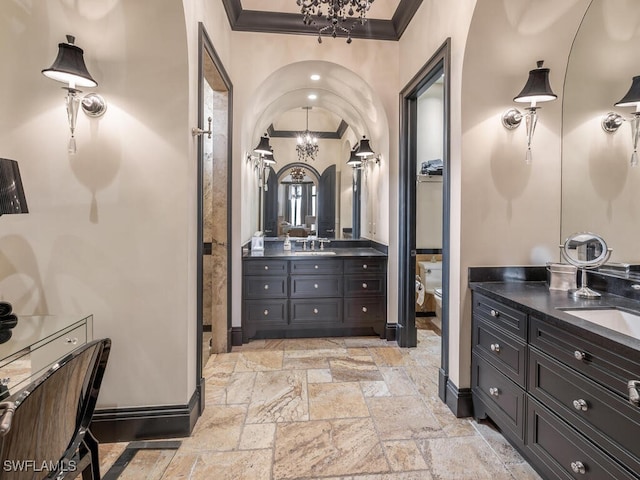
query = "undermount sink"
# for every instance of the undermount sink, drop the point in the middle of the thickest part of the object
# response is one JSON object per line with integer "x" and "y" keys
{"x": 314, "y": 252}
{"x": 621, "y": 321}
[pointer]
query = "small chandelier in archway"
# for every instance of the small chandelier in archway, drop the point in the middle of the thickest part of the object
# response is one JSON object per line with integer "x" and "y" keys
{"x": 307, "y": 147}
{"x": 297, "y": 174}
{"x": 341, "y": 16}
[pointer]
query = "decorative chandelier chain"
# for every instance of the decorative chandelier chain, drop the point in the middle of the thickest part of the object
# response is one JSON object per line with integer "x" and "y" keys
{"x": 341, "y": 16}
{"x": 307, "y": 147}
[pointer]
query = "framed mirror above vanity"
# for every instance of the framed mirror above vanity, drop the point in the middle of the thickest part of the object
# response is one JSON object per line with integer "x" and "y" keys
{"x": 599, "y": 184}
{"x": 318, "y": 197}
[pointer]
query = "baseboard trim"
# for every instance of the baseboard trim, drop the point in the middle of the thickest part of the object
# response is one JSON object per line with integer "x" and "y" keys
{"x": 459, "y": 400}
{"x": 145, "y": 423}
{"x": 236, "y": 336}
{"x": 390, "y": 332}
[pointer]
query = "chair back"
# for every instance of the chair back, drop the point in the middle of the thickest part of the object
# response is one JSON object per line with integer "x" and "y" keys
{"x": 51, "y": 416}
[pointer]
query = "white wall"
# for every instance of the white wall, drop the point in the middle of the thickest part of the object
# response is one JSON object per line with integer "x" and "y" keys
{"x": 110, "y": 230}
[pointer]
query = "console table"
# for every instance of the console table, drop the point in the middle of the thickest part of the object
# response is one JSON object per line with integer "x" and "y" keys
{"x": 36, "y": 343}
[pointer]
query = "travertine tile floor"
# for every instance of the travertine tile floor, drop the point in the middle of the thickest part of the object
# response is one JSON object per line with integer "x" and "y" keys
{"x": 335, "y": 408}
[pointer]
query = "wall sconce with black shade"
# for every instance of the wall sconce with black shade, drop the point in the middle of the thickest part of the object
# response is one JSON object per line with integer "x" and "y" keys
{"x": 536, "y": 90}
{"x": 365, "y": 153}
{"x": 69, "y": 68}
{"x": 263, "y": 161}
{"x": 12, "y": 198}
{"x": 612, "y": 121}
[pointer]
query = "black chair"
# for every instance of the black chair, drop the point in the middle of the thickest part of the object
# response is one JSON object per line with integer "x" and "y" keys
{"x": 44, "y": 428}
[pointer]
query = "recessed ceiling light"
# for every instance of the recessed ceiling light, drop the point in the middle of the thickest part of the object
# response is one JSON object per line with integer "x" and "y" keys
{"x": 315, "y": 76}
{"x": 312, "y": 96}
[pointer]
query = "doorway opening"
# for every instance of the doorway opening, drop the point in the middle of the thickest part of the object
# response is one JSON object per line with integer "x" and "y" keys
{"x": 424, "y": 206}
{"x": 214, "y": 206}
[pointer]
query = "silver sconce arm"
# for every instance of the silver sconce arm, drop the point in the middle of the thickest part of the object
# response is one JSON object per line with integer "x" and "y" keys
{"x": 198, "y": 131}
{"x": 612, "y": 121}
{"x": 531, "y": 120}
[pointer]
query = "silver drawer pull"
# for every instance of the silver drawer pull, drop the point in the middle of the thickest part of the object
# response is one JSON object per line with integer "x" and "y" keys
{"x": 495, "y": 347}
{"x": 266, "y": 312}
{"x": 364, "y": 266}
{"x": 266, "y": 286}
{"x": 634, "y": 394}
{"x": 5, "y": 381}
{"x": 315, "y": 285}
{"x": 316, "y": 267}
{"x": 364, "y": 285}
{"x": 494, "y": 313}
{"x": 364, "y": 309}
{"x": 578, "y": 467}
{"x": 494, "y": 391}
{"x": 580, "y": 404}
{"x": 71, "y": 341}
{"x": 266, "y": 267}
{"x": 578, "y": 355}
{"x": 315, "y": 310}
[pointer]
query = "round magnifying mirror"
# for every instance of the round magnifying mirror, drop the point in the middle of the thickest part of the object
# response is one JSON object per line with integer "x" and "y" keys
{"x": 585, "y": 250}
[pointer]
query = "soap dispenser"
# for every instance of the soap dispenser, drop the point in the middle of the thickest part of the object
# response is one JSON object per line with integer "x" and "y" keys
{"x": 287, "y": 243}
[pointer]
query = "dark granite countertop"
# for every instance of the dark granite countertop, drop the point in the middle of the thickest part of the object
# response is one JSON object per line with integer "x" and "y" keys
{"x": 296, "y": 252}
{"x": 536, "y": 299}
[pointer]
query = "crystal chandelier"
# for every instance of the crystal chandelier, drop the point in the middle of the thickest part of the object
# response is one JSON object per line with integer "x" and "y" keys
{"x": 307, "y": 147}
{"x": 341, "y": 15}
{"x": 297, "y": 174}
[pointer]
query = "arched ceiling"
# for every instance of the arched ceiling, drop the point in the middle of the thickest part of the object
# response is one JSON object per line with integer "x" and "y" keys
{"x": 339, "y": 94}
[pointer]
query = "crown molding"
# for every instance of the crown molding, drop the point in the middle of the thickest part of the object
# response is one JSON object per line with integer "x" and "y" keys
{"x": 337, "y": 135}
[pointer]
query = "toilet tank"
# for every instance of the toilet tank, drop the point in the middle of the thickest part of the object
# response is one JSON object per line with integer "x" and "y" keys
{"x": 431, "y": 275}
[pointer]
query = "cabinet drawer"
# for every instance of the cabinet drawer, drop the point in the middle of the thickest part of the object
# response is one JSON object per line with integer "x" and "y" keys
{"x": 364, "y": 286}
{"x": 604, "y": 417}
{"x": 365, "y": 310}
{"x": 265, "y": 267}
{"x": 564, "y": 453}
{"x": 602, "y": 364}
{"x": 265, "y": 287}
{"x": 504, "y": 351}
{"x": 317, "y": 267}
{"x": 266, "y": 313}
{"x": 365, "y": 265}
{"x": 57, "y": 348}
{"x": 316, "y": 286}
{"x": 506, "y": 317}
{"x": 503, "y": 398}
{"x": 310, "y": 312}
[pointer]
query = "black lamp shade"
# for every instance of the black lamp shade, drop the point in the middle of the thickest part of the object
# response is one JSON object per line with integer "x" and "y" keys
{"x": 354, "y": 160}
{"x": 632, "y": 98}
{"x": 12, "y": 199}
{"x": 263, "y": 147}
{"x": 364, "y": 149}
{"x": 537, "y": 88}
{"x": 69, "y": 66}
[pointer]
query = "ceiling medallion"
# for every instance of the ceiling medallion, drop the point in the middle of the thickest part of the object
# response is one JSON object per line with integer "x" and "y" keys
{"x": 307, "y": 147}
{"x": 341, "y": 16}
{"x": 297, "y": 174}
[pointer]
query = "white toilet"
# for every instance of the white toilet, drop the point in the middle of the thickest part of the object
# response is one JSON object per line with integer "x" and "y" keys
{"x": 431, "y": 276}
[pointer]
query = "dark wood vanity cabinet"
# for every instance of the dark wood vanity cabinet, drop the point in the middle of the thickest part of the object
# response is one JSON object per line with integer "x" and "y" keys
{"x": 313, "y": 297}
{"x": 561, "y": 399}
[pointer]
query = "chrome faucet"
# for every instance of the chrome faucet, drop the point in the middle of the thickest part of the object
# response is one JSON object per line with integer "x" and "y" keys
{"x": 322, "y": 242}
{"x": 313, "y": 244}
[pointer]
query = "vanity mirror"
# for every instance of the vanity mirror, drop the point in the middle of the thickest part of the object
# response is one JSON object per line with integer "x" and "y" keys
{"x": 316, "y": 197}
{"x": 586, "y": 251}
{"x": 599, "y": 184}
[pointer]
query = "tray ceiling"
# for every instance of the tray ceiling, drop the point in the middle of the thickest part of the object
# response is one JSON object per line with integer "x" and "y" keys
{"x": 387, "y": 19}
